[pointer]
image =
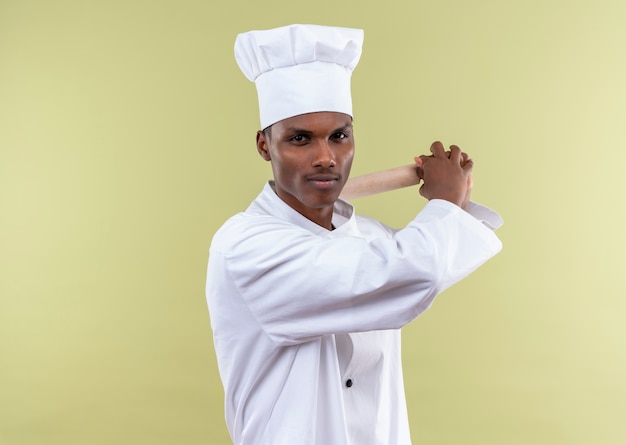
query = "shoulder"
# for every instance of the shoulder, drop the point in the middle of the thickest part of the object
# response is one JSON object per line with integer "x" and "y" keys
{"x": 371, "y": 227}
{"x": 249, "y": 231}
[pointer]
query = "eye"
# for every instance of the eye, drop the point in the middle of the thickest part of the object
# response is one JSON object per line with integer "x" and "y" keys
{"x": 339, "y": 136}
{"x": 298, "y": 138}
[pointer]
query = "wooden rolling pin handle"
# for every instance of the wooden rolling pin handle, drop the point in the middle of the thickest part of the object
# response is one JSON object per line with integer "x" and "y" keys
{"x": 380, "y": 182}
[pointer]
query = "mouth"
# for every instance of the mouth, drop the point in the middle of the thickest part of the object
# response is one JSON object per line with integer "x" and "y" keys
{"x": 323, "y": 182}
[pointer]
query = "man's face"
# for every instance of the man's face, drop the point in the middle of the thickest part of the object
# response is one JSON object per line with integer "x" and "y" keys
{"x": 311, "y": 156}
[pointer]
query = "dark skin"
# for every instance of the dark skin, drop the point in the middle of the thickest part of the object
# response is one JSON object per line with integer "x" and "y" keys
{"x": 446, "y": 174}
{"x": 311, "y": 156}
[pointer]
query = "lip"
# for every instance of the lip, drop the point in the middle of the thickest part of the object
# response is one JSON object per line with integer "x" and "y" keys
{"x": 323, "y": 181}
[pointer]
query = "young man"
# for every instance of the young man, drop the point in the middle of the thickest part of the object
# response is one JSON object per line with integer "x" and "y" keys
{"x": 306, "y": 298}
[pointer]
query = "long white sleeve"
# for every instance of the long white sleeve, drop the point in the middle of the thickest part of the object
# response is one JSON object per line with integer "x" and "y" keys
{"x": 299, "y": 285}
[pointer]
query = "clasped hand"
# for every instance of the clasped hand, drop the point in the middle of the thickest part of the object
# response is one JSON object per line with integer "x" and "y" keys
{"x": 446, "y": 174}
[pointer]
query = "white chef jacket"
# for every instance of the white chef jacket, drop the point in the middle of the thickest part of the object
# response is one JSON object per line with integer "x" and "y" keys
{"x": 306, "y": 321}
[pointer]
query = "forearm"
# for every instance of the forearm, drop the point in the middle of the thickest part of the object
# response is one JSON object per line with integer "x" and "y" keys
{"x": 348, "y": 284}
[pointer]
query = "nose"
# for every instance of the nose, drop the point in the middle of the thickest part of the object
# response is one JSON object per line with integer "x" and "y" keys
{"x": 324, "y": 155}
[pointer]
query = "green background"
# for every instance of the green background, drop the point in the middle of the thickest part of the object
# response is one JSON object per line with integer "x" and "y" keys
{"x": 127, "y": 138}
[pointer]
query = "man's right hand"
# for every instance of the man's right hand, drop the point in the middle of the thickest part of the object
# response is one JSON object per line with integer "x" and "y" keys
{"x": 446, "y": 174}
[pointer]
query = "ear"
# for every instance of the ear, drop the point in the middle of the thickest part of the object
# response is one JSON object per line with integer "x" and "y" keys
{"x": 262, "y": 145}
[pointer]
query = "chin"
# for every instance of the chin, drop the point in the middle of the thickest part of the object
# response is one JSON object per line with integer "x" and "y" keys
{"x": 327, "y": 202}
{"x": 322, "y": 202}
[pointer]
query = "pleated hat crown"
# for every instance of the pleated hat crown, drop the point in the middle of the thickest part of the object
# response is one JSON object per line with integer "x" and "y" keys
{"x": 300, "y": 69}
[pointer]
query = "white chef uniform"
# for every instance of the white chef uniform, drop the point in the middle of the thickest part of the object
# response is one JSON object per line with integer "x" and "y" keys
{"x": 306, "y": 320}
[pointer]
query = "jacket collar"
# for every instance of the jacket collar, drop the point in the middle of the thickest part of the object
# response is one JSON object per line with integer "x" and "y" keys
{"x": 269, "y": 203}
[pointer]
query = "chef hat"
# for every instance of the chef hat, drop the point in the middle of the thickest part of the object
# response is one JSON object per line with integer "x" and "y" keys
{"x": 300, "y": 69}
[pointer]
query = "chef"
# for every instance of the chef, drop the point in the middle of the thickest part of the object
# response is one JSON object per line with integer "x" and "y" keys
{"x": 307, "y": 298}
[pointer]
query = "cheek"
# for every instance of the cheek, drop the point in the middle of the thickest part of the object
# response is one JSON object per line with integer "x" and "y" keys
{"x": 348, "y": 157}
{"x": 283, "y": 166}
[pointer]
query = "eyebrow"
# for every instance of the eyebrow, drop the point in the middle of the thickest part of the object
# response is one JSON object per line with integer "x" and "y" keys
{"x": 297, "y": 130}
{"x": 345, "y": 127}
{"x": 303, "y": 131}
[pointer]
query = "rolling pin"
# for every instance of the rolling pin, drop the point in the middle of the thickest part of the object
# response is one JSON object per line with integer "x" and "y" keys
{"x": 380, "y": 182}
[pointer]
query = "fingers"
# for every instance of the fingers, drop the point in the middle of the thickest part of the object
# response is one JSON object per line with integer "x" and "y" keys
{"x": 455, "y": 154}
{"x": 436, "y": 148}
{"x": 419, "y": 163}
{"x": 438, "y": 151}
{"x": 467, "y": 165}
{"x": 446, "y": 174}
